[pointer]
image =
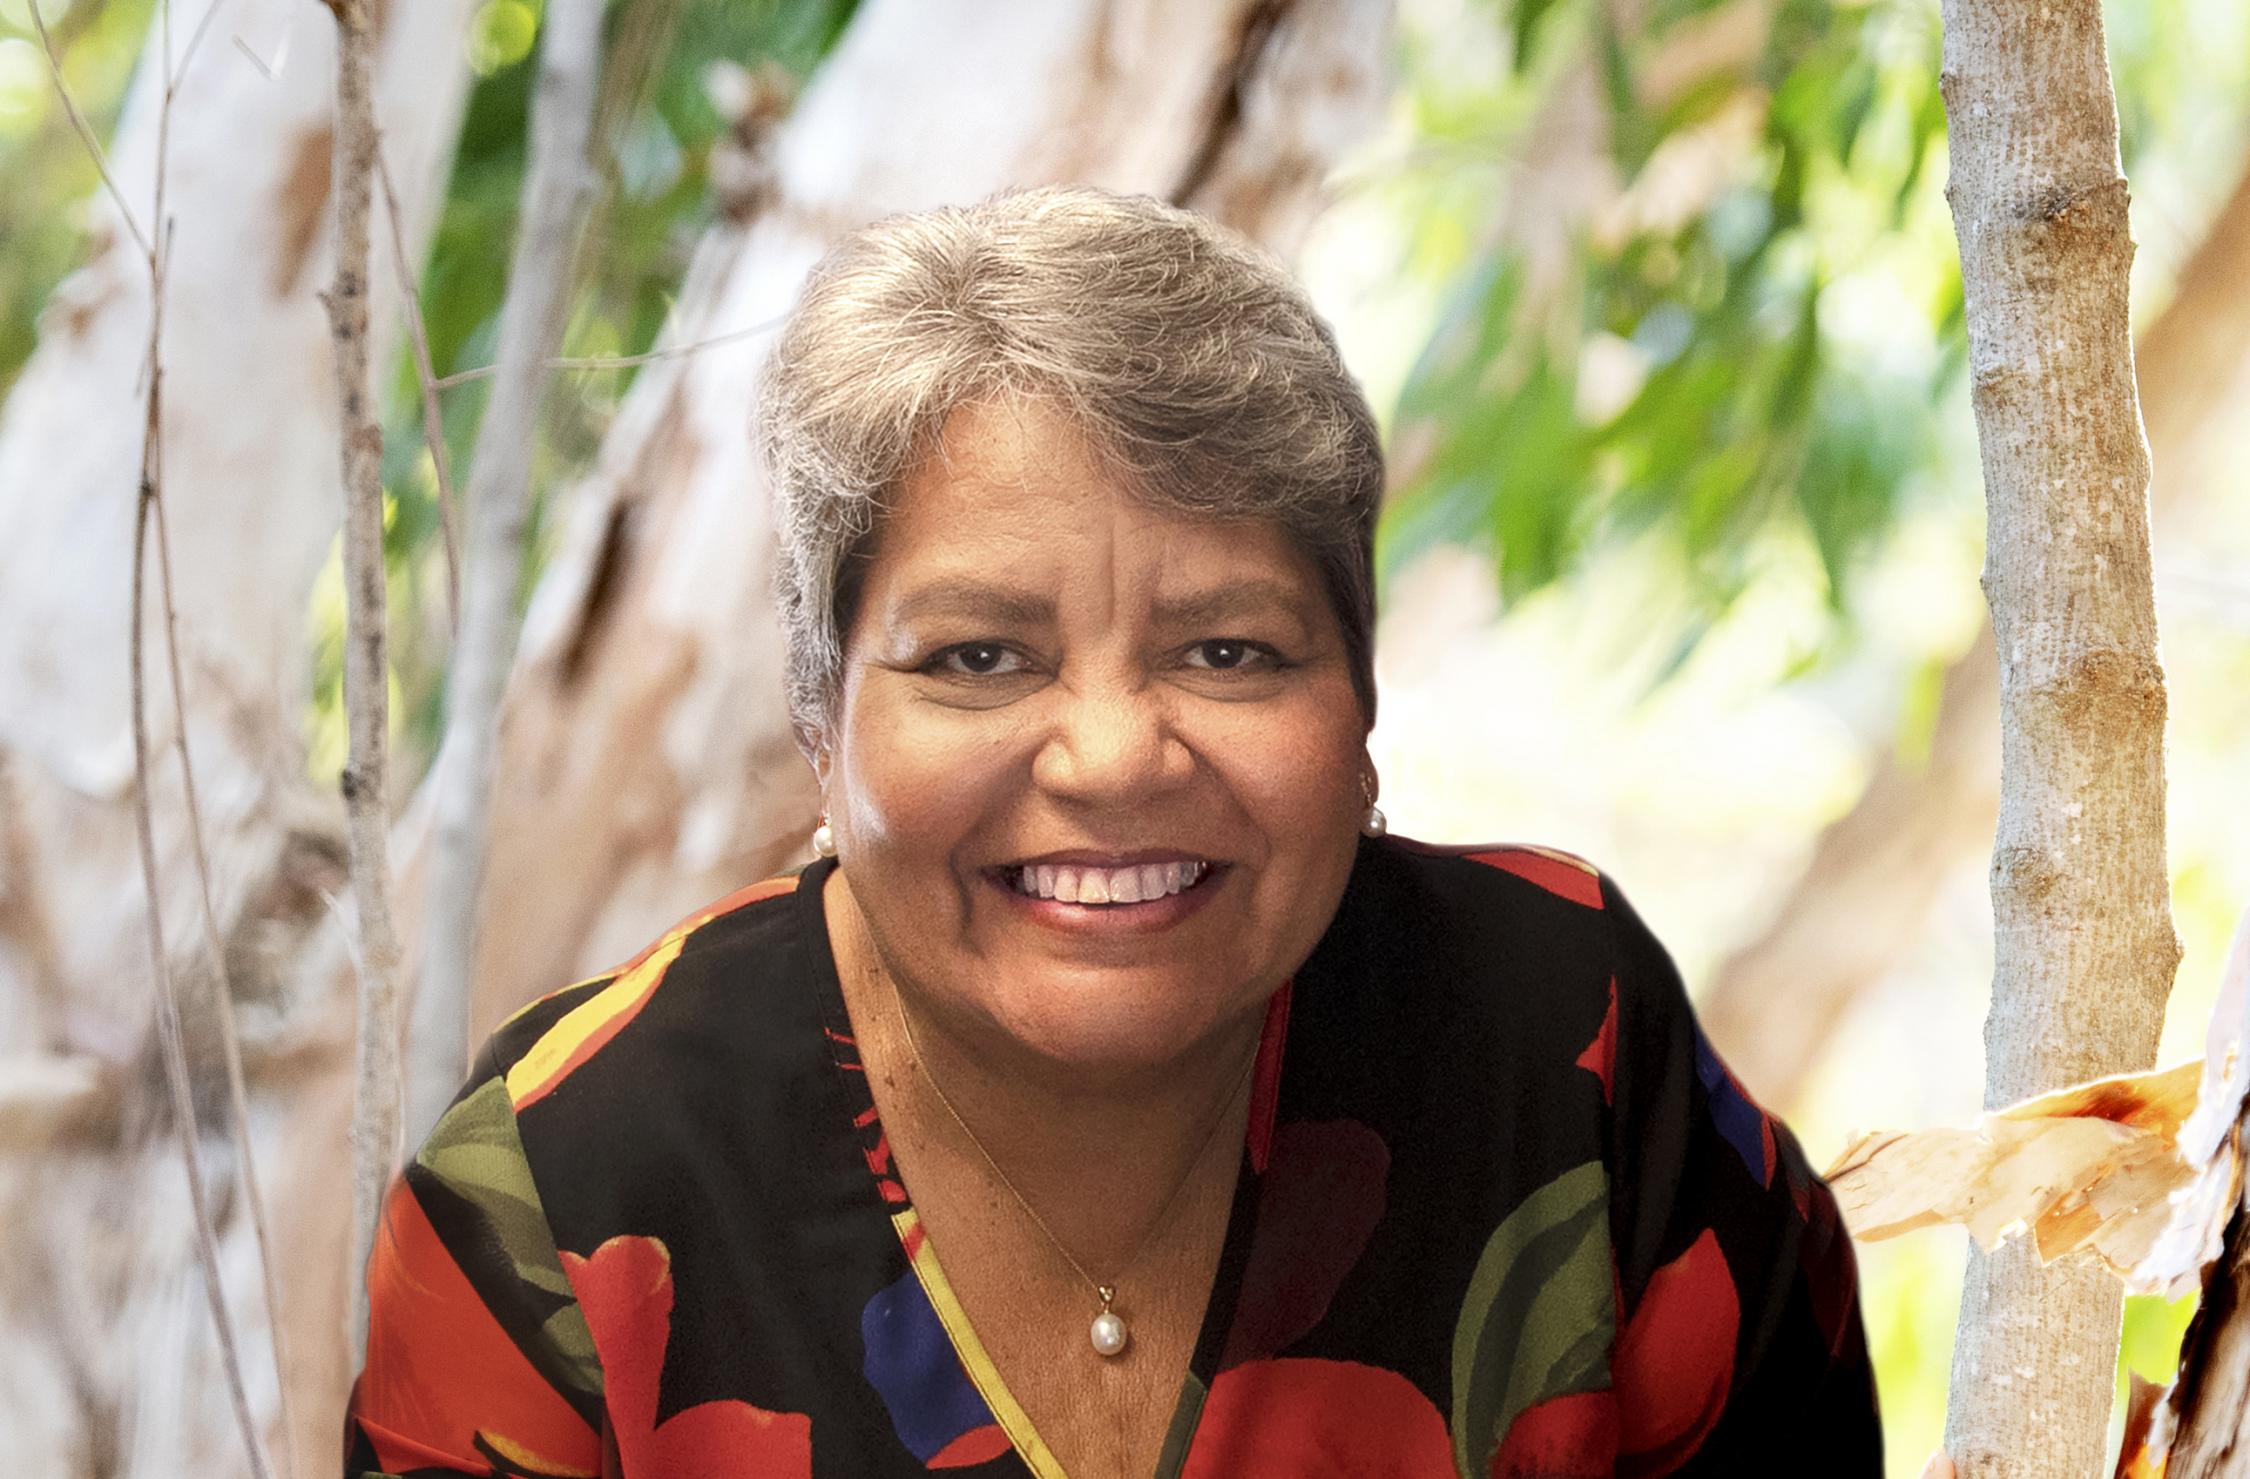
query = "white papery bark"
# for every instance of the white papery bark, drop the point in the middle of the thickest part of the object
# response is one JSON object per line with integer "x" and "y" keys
{"x": 109, "y": 1364}
{"x": 2081, "y": 901}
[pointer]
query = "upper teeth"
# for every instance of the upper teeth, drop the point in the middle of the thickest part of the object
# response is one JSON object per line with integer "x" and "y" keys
{"x": 1108, "y": 885}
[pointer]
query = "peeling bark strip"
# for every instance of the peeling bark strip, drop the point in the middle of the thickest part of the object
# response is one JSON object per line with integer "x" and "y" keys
{"x": 375, "y": 1115}
{"x": 2209, "y": 1404}
{"x": 2084, "y": 945}
{"x": 304, "y": 201}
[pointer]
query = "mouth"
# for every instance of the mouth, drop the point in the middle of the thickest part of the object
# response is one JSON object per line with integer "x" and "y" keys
{"x": 1097, "y": 887}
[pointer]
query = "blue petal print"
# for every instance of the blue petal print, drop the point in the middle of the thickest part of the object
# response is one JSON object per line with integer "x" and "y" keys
{"x": 911, "y": 1364}
{"x": 1740, "y": 1122}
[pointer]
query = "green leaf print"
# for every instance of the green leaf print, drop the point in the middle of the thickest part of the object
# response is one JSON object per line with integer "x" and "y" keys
{"x": 1540, "y": 1314}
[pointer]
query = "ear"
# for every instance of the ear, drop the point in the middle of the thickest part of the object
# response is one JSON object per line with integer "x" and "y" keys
{"x": 818, "y": 752}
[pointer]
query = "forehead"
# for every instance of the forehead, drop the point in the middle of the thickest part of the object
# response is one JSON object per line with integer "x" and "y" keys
{"x": 1014, "y": 495}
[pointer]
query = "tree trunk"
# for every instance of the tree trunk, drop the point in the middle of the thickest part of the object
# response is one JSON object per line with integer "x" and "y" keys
{"x": 1774, "y": 1005}
{"x": 2085, "y": 948}
{"x": 110, "y": 1366}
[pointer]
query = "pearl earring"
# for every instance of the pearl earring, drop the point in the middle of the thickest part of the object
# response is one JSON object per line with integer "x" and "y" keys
{"x": 1375, "y": 824}
{"x": 824, "y": 838}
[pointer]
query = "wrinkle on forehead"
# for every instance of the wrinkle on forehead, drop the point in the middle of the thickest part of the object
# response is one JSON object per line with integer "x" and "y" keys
{"x": 1021, "y": 451}
{"x": 1015, "y": 494}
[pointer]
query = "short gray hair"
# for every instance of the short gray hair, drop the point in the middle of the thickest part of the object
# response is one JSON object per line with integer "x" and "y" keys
{"x": 1188, "y": 357}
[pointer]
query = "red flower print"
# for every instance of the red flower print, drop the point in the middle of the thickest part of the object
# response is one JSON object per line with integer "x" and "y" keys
{"x": 1573, "y": 1436}
{"x": 1830, "y": 1271}
{"x": 1674, "y": 1362}
{"x": 428, "y": 1402}
{"x": 625, "y": 1290}
{"x": 1317, "y": 1208}
{"x": 1600, "y": 1057}
{"x": 1318, "y": 1420}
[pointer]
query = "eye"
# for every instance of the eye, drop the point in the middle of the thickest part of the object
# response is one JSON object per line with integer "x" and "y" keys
{"x": 974, "y": 660}
{"x": 1231, "y": 654}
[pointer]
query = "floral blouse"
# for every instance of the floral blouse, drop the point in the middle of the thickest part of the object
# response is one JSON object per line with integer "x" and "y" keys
{"x": 1501, "y": 1211}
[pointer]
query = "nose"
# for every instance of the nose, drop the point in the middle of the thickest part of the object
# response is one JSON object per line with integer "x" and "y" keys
{"x": 1110, "y": 746}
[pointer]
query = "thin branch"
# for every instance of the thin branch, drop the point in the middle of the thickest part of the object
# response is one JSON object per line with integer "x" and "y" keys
{"x": 195, "y": 44}
{"x": 375, "y": 1110}
{"x": 618, "y": 361}
{"x": 168, "y": 1031}
{"x": 230, "y": 1044}
{"x": 254, "y": 59}
{"x": 559, "y": 186}
{"x": 425, "y": 375}
{"x": 86, "y": 132}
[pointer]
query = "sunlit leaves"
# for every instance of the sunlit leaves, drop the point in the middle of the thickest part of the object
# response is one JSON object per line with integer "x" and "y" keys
{"x": 25, "y": 94}
{"x": 661, "y": 130}
{"x": 45, "y": 175}
{"x": 1674, "y": 367}
{"x": 500, "y": 35}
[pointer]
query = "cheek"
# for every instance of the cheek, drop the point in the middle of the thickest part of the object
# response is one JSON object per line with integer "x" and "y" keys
{"x": 1296, "y": 774}
{"x": 912, "y": 789}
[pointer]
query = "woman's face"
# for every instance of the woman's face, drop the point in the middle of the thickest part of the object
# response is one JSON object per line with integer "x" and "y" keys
{"x": 1096, "y": 775}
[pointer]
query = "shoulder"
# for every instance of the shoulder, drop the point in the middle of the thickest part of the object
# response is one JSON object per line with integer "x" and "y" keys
{"x": 743, "y": 945}
{"x": 1550, "y": 870}
{"x": 1497, "y": 962}
{"x": 1515, "y": 906}
{"x": 705, "y": 1050}
{"x": 1524, "y": 888}
{"x": 1520, "y": 949}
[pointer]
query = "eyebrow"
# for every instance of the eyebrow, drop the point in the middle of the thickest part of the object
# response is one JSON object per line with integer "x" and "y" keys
{"x": 1236, "y": 600}
{"x": 977, "y": 599}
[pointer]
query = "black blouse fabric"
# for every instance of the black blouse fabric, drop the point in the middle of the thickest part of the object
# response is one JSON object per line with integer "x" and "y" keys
{"x": 1501, "y": 1211}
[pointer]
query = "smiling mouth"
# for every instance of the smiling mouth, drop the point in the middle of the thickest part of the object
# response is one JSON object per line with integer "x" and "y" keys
{"x": 1136, "y": 883}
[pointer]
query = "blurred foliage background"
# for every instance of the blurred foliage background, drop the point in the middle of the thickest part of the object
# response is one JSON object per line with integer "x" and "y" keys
{"x": 1661, "y": 303}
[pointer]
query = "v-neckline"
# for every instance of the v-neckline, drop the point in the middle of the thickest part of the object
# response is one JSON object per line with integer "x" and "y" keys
{"x": 887, "y": 1197}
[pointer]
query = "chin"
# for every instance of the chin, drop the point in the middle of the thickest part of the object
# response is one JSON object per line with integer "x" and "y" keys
{"x": 1107, "y": 1023}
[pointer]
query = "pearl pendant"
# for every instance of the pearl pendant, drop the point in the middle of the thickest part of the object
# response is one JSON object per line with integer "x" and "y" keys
{"x": 1109, "y": 1331}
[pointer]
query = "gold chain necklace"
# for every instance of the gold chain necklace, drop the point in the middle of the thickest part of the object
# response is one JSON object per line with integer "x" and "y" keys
{"x": 1108, "y": 1331}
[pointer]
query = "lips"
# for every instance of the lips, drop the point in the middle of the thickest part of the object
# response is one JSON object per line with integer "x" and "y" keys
{"x": 1087, "y": 884}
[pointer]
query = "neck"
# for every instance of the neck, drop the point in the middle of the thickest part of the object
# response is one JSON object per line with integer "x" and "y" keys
{"x": 1097, "y": 1154}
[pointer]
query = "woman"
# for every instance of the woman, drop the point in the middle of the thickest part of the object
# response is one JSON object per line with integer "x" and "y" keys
{"x": 1253, "y": 1142}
